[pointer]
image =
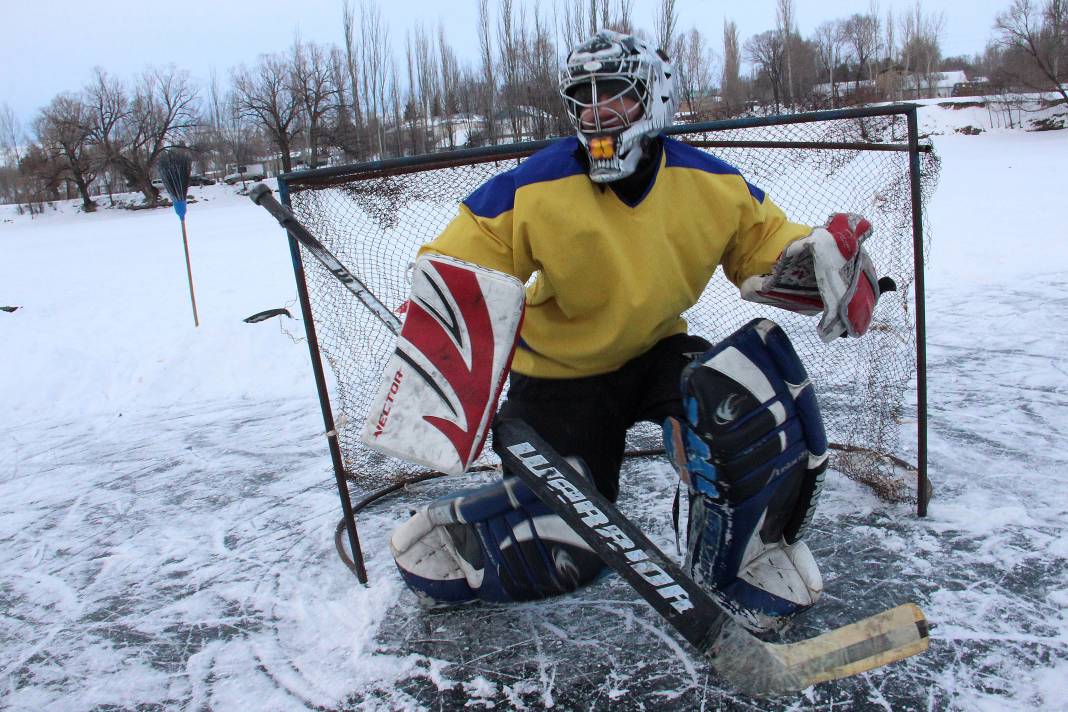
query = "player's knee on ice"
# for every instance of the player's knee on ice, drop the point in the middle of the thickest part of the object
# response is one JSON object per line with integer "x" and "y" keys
{"x": 494, "y": 543}
{"x": 752, "y": 450}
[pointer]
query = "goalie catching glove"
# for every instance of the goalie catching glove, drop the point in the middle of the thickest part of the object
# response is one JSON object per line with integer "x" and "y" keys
{"x": 752, "y": 451}
{"x": 828, "y": 271}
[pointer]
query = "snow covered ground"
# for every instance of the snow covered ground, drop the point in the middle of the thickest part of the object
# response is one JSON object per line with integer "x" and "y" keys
{"x": 167, "y": 503}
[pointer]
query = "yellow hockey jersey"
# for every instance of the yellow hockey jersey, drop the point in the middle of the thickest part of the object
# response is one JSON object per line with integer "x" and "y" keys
{"x": 611, "y": 279}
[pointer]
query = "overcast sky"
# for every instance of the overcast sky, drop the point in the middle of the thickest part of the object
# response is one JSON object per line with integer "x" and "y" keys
{"x": 51, "y": 46}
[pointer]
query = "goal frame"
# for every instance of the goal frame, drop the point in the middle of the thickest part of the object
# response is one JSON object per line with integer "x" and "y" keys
{"x": 335, "y": 175}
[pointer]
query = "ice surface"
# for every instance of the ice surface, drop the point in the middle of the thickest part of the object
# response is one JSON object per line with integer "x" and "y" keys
{"x": 167, "y": 503}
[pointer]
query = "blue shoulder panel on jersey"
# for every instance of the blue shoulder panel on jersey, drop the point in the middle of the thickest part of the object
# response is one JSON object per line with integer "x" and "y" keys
{"x": 681, "y": 155}
{"x": 497, "y": 195}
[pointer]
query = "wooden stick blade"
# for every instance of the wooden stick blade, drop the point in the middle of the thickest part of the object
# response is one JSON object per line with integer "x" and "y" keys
{"x": 885, "y": 638}
{"x": 772, "y": 669}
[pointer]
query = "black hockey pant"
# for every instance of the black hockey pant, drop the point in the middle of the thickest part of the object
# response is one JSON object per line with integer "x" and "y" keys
{"x": 589, "y": 417}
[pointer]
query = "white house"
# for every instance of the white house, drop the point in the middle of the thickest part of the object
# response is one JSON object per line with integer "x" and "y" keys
{"x": 942, "y": 83}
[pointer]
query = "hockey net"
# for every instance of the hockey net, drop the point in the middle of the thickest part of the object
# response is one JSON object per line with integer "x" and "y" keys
{"x": 374, "y": 217}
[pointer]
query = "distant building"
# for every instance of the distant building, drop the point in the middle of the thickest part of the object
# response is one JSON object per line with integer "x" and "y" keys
{"x": 533, "y": 123}
{"x": 467, "y": 130}
{"x": 846, "y": 86}
{"x": 702, "y": 108}
{"x": 942, "y": 83}
{"x": 897, "y": 83}
{"x": 977, "y": 86}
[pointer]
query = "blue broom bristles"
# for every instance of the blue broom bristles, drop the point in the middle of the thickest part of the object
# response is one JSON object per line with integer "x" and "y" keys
{"x": 175, "y": 166}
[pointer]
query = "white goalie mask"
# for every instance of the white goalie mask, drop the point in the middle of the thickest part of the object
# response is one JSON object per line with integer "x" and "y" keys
{"x": 618, "y": 91}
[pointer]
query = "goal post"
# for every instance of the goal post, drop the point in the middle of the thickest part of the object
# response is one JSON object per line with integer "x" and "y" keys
{"x": 374, "y": 216}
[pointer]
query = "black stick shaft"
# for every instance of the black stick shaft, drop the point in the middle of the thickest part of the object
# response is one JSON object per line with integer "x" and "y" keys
{"x": 261, "y": 195}
{"x": 619, "y": 543}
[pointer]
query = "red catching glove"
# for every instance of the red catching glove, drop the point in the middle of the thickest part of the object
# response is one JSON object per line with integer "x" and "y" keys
{"x": 828, "y": 271}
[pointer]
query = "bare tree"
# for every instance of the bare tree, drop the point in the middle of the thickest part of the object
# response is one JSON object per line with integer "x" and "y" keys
{"x": 10, "y": 156}
{"x": 411, "y": 103}
{"x": 10, "y": 134}
{"x": 39, "y": 179}
{"x": 65, "y": 133}
{"x": 920, "y": 50}
{"x": 766, "y": 51}
{"x": 1040, "y": 35}
{"x": 731, "y": 82}
{"x": 394, "y": 99}
{"x": 573, "y": 26}
{"x": 539, "y": 81}
{"x": 806, "y": 69}
{"x": 30, "y": 174}
{"x": 862, "y": 38}
{"x": 234, "y": 135}
{"x": 830, "y": 41}
{"x": 340, "y": 130}
{"x": 108, "y": 104}
{"x": 426, "y": 73}
{"x": 314, "y": 89}
{"x": 694, "y": 63}
{"x": 489, "y": 84}
{"x": 348, "y": 19}
{"x": 164, "y": 111}
{"x": 377, "y": 66}
{"x": 469, "y": 100}
{"x": 422, "y": 90}
{"x": 606, "y": 13}
{"x": 449, "y": 81}
{"x": 665, "y": 23}
{"x": 509, "y": 49}
{"x": 890, "y": 42}
{"x": 784, "y": 16}
{"x": 10, "y": 181}
{"x": 265, "y": 95}
{"x": 625, "y": 23}
{"x": 877, "y": 38}
{"x": 132, "y": 129}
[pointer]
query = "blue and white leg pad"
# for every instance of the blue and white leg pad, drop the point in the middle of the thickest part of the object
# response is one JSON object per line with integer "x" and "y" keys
{"x": 496, "y": 543}
{"x": 752, "y": 451}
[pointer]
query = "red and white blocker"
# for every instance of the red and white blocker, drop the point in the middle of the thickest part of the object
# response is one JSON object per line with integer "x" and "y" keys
{"x": 440, "y": 386}
{"x": 828, "y": 271}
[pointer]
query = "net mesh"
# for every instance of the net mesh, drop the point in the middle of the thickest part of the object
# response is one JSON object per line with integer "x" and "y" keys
{"x": 375, "y": 220}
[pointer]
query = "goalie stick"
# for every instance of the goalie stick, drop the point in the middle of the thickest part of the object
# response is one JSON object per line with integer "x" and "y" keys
{"x": 749, "y": 664}
{"x": 261, "y": 195}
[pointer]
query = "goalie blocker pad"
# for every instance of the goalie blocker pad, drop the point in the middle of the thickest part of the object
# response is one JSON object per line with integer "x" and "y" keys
{"x": 440, "y": 386}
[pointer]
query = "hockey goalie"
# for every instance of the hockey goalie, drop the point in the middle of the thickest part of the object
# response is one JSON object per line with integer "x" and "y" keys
{"x": 568, "y": 276}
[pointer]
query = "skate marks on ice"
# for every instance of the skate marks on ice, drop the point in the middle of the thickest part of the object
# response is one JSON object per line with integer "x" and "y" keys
{"x": 995, "y": 544}
{"x": 186, "y": 560}
{"x": 593, "y": 649}
{"x": 181, "y": 560}
{"x": 604, "y": 648}
{"x": 989, "y": 565}
{"x": 999, "y": 640}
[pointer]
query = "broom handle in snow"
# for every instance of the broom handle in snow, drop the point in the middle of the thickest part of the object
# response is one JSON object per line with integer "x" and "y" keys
{"x": 189, "y": 274}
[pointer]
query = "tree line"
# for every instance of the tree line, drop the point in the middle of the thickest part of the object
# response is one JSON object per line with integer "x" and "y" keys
{"x": 376, "y": 95}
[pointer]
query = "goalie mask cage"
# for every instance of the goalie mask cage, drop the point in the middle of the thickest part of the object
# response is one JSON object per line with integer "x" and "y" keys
{"x": 872, "y": 391}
